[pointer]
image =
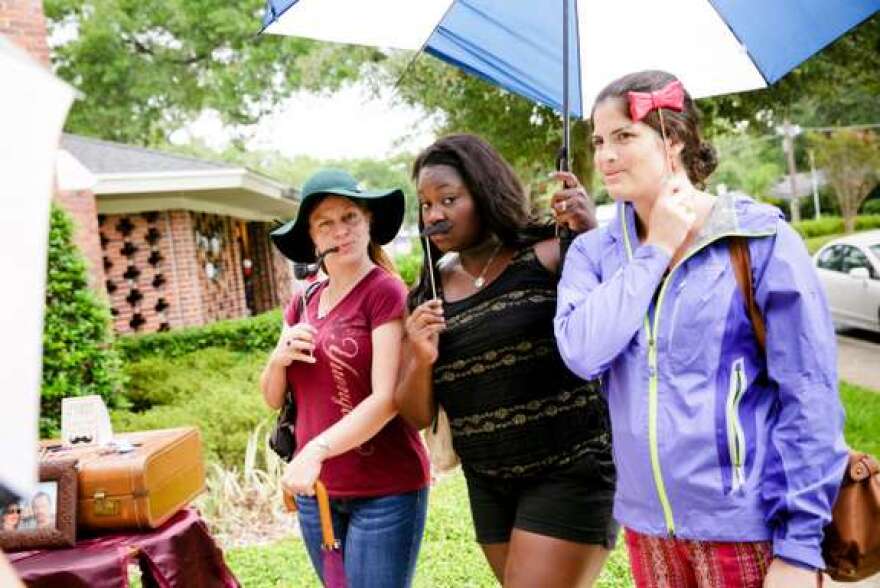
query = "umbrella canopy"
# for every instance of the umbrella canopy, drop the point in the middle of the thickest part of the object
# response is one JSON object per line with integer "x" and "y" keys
{"x": 713, "y": 46}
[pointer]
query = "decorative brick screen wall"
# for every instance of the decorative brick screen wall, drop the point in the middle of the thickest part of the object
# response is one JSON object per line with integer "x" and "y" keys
{"x": 166, "y": 270}
{"x": 156, "y": 270}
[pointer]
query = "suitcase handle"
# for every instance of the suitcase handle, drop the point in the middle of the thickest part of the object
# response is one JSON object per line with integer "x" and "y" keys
{"x": 328, "y": 537}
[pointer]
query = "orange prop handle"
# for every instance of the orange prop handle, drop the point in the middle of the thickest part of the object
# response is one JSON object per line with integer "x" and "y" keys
{"x": 329, "y": 538}
{"x": 289, "y": 502}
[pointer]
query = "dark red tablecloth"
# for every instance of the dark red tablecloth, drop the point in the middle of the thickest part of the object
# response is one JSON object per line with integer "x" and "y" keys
{"x": 179, "y": 554}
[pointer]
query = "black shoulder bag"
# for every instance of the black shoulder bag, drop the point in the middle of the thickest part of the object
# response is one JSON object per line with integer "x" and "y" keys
{"x": 282, "y": 439}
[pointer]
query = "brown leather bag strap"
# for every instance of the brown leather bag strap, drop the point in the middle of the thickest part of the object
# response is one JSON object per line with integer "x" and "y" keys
{"x": 741, "y": 261}
{"x": 329, "y": 539}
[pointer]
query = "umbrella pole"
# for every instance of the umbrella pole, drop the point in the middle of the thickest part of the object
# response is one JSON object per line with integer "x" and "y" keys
{"x": 563, "y": 161}
{"x": 565, "y": 157}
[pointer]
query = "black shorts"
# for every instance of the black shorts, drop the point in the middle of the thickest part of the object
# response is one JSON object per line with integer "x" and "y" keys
{"x": 572, "y": 503}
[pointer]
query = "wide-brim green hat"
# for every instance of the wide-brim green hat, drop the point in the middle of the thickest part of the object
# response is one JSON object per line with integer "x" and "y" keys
{"x": 386, "y": 206}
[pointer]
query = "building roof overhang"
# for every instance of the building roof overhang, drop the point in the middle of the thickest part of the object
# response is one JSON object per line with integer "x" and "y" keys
{"x": 236, "y": 192}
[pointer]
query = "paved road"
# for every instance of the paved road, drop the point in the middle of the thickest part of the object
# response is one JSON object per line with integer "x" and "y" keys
{"x": 858, "y": 357}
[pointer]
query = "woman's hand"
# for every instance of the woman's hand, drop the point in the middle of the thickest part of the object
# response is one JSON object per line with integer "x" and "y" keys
{"x": 301, "y": 473}
{"x": 672, "y": 216}
{"x": 296, "y": 343}
{"x": 571, "y": 205}
{"x": 782, "y": 574}
{"x": 423, "y": 331}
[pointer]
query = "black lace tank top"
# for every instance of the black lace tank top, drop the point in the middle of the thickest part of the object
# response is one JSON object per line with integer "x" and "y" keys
{"x": 515, "y": 410}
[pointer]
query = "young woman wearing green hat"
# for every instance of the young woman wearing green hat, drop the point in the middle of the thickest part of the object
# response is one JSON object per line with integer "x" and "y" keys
{"x": 532, "y": 437}
{"x": 340, "y": 359}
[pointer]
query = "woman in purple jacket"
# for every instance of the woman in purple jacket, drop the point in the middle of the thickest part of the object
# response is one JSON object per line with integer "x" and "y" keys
{"x": 729, "y": 457}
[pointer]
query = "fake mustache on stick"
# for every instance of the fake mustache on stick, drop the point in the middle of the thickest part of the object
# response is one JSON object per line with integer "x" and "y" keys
{"x": 435, "y": 229}
{"x": 303, "y": 270}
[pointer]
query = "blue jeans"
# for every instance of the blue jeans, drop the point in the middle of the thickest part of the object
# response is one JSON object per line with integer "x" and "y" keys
{"x": 380, "y": 537}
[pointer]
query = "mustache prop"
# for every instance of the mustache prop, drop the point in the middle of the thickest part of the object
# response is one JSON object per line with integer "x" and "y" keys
{"x": 303, "y": 270}
{"x": 435, "y": 229}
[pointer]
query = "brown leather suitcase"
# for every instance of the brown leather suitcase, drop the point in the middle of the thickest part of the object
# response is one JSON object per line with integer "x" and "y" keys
{"x": 140, "y": 486}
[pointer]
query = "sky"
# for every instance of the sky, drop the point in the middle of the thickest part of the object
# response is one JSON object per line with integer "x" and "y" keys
{"x": 348, "y": 124}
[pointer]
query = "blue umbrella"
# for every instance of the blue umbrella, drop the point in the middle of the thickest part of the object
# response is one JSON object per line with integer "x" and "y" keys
{"x": 713, "y": 46}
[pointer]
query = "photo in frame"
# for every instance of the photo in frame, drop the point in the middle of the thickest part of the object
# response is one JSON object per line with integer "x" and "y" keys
{"x": 48, "y": 517}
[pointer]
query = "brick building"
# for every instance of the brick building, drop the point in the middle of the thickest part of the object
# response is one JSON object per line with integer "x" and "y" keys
{"x": 173, "y": 241}
{"x": 23, "y": 23}
{"x": 177, "y": 241}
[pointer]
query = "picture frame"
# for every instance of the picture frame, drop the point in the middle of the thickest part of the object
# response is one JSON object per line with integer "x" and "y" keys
{"x": 48, "y": 517}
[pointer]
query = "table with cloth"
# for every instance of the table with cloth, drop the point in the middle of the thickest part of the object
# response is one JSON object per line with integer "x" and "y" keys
{"x": 179, "y": 554}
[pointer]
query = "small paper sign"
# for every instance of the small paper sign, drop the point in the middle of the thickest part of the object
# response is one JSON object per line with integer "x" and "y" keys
{"x": 85, "y": 421}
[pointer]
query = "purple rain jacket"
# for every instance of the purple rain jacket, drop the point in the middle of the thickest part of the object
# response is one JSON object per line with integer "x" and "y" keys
{"x": 712, "y": 439}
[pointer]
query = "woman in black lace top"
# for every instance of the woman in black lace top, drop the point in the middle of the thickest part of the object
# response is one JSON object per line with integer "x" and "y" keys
{"x": 533, "y": 439}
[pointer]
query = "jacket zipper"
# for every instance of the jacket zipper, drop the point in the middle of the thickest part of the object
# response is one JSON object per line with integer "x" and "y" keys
{"x": 736, "y": 438}
{"x": 653, "y": 447}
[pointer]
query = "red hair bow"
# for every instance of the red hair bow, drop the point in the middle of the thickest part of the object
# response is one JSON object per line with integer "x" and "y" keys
{"x": 670, "y": 96}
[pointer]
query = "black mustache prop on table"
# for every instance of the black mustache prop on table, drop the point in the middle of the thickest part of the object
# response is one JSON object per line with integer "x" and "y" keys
{"x": 435, "y": 229}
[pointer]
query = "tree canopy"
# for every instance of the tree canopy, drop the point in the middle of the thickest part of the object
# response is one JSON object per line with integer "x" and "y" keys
{"x": 147, "y": 67}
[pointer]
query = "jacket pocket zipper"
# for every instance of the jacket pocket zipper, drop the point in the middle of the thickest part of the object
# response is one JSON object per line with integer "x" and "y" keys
{"x": 736, "y": 438}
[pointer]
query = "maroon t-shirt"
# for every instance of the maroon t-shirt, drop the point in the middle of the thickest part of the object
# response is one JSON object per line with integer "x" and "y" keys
{"x": 394, "y": 460}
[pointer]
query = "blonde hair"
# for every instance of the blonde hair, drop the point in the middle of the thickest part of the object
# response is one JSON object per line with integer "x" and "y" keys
{"x": 380, "y": 258}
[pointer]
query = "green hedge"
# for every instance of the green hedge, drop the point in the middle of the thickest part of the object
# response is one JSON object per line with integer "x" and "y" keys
{"x": 258, "y": 333}
{"x": 216, "y": 390}
{"x": 871, "y": 207}
{"x": 78, "y": 355}
{"x": 831, "y": 225}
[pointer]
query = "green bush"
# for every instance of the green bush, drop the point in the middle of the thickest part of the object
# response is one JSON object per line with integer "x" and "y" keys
{"x": 831, "y": 225}
{"x": 78, "y": 356}
{"x": 410, "y": 266}
{"x": 216, "y": 390}
{"x": 871, "y": 207}
{"x": 258, "y": 333}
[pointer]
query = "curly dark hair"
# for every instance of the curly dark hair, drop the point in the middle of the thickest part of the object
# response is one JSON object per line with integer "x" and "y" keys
{"x": 698, "y": 156}
{"x": 499, "y": 197}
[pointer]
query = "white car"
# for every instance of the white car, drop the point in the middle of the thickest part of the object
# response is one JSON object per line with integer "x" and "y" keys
{"x": 849, "y": 268}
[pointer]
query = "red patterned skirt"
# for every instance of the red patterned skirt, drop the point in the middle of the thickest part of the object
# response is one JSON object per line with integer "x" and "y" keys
{"x": 661, "y": 562}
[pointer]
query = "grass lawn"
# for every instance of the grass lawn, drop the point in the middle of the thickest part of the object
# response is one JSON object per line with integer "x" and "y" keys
{"x": 449, "y": 555}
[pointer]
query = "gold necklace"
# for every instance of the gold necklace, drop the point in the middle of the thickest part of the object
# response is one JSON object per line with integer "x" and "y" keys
{"x": 480, "y": 280}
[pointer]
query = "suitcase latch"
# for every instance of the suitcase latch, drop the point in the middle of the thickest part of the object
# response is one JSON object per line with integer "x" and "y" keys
{"x": 105, "y": 507}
